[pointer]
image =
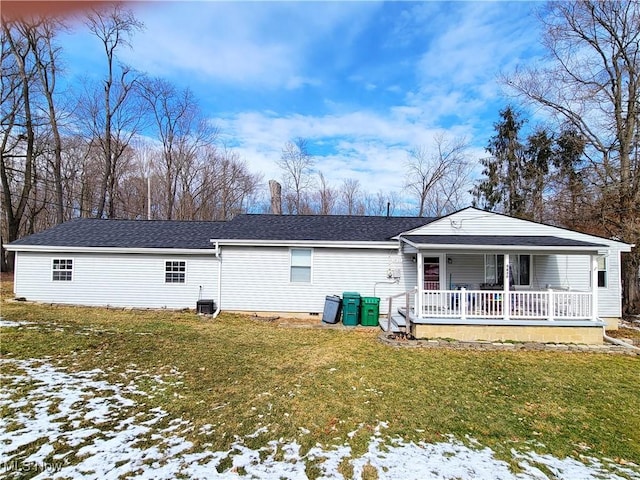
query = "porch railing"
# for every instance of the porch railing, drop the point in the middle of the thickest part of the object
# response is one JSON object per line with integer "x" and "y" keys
{"x": 409, "y": 298}
{"x": 532, "y": 305}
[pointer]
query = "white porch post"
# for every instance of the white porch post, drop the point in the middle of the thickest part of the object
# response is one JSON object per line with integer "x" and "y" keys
{"x": 594, "y": 288}
{"x": 419, "y": 300}
{"x": 506, "y": 300}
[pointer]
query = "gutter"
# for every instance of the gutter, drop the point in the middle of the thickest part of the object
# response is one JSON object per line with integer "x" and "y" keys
{"x": 308, "y": 243}
{"x": 73, "y": 249}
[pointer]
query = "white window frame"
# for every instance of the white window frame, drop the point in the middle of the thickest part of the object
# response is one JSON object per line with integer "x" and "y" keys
{"x": 494, "y": 264}
{"x": 516, "y": 261}
{"x": 603, "y": 268}
{"x": 67, "y": 269}
{"x": 428, "y": 285}
{"x": 513, "y": 260}
{"x": 295, "y": 264}
{"x": 167, "y": 271}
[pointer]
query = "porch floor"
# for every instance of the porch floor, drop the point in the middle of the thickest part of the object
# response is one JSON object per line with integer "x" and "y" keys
{"x": 398, "y": 322}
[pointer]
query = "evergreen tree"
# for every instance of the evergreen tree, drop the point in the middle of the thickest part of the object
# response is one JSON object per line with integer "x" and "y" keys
{"x": 501, "y": 188}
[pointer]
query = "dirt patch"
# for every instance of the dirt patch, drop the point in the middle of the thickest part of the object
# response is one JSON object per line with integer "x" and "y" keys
{"x": 626, "y": 333}
{"x": 6, "y": 276}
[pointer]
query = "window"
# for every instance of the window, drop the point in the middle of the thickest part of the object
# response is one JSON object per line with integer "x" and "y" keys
{"x": 301, "y": 265}
{"x": 602, "y": 272}
{"x": 62, "y": 269}
{"x": 519, "y": 268}
{"x": 492, "y": 270}
{"x": 174, "y": 271}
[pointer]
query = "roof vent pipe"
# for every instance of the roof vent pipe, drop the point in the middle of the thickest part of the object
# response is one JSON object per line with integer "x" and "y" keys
{"x": 388, "y": 209}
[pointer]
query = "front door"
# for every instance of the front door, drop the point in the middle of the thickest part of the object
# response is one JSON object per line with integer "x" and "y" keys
{"x": 431, "y": 273}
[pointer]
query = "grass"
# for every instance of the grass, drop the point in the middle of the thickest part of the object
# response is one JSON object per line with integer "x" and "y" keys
{"x": 239, "y": 374}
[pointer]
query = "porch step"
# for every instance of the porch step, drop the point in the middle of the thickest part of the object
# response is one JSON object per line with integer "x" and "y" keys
{"x": 397, "y": 324}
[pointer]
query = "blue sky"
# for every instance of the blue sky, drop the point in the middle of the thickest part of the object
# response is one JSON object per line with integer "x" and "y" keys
{"x": 363, "y": 81}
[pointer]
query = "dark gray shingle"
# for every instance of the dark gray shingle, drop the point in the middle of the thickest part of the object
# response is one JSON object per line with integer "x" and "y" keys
{"x": 319, "y": 227}
{"x": 89, "y": 232}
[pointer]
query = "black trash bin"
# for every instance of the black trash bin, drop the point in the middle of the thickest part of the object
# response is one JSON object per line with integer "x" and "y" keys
{"x": 332, "y": 307}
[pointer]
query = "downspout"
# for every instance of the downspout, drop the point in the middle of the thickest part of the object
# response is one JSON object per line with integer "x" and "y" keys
{"x": 218, "y": 304}
{"x": 618, "y": 341}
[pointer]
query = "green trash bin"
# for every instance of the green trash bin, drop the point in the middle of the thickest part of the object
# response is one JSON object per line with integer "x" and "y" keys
{"x": 369, "y": 311}
{"x": 350, "y": 308}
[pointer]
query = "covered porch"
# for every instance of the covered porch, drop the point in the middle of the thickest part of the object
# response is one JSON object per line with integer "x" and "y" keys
{"x": 550, "y": 293}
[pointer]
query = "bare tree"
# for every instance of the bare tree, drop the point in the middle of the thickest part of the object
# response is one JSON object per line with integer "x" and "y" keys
{"x": 228, "y": 185}
{"x": 113, "y": 120}
{"x": 17, "y": 164}
{"x": 375, "y": 204}
{"x": 431, "y": 172}
{"x": 453, "y": 192}
{"x": 381, "y": 203}
{"x": 41, "y": 35}
{"x": 592, "y": 84}
{"x": 350, "y": 197}
{"x": 182, "y": 130}
{"x": 297, "y": 164}
{"x": 327, "y": 196}
{"x": 81, "y": 176}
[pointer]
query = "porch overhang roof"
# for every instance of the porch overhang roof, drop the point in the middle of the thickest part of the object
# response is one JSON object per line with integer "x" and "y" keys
{"x": 511, "y": 242}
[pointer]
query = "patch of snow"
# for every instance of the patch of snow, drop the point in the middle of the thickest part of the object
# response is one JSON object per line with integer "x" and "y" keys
{"x": 258, "y": 432}
{"x": 9, "y": 323}
{"x": 135, "y": 446}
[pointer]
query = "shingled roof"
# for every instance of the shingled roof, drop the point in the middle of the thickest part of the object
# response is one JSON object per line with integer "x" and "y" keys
{"x": 92, "y": 232}
{"x": 88, "y": 232}
{"x": 338, "y": 228}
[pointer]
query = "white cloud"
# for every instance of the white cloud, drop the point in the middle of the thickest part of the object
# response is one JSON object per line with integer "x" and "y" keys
{"x": 458, "y": 70}
{"x": 242, "y": 43}
{"x": 366, "y": 146}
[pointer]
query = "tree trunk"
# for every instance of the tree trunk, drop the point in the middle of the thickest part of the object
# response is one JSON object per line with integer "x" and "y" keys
{"x": 276, "y": 197}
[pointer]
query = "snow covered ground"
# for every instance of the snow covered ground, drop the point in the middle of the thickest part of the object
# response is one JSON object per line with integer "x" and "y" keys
{"x": 58, "y": 424}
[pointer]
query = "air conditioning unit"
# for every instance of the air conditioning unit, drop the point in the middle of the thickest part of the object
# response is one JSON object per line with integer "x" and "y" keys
{"x": 205, "y": 307}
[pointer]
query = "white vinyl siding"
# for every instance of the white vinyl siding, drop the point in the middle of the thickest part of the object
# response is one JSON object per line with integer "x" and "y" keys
{"x": 335, "y": 270}
{"x": 119, "y": 280}
{"x": 465, "y": 271}
{"x": 301, "y": 260}
{"x": 62, "y": 269}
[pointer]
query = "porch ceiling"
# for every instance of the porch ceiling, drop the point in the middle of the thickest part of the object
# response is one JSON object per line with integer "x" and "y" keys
{"x": 499, "y": 241}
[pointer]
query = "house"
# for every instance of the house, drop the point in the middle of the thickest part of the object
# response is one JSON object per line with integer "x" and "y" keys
{"x": 436, "y": 277}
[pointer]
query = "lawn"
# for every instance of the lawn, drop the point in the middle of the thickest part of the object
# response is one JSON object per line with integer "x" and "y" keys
{"x": 250, "y": 379}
